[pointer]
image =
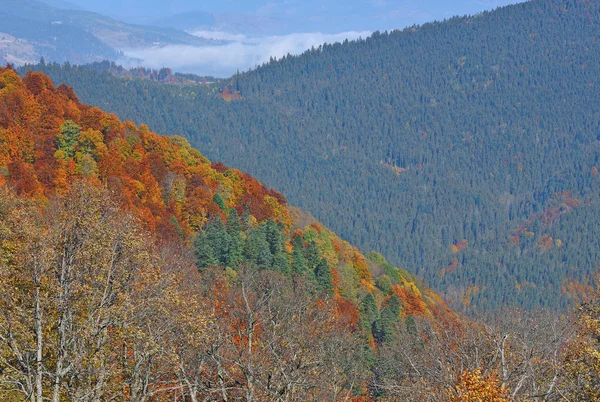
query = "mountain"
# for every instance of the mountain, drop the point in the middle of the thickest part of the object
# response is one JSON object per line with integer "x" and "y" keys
{"x": 72, "y": 171}
{"x": 133, "y": 268}
{"x": 174, "y": 190}
{"x": 186, "y": 21}
{"x": 467, "y": 151}
{"x": 32, "y": 30}
{"x": 67, "y": 5}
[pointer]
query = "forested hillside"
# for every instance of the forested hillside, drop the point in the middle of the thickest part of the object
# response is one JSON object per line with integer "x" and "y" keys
{"x": 107, "y": 230}
{"x": 466, "y": 150}
{"x": 134, "y": 269}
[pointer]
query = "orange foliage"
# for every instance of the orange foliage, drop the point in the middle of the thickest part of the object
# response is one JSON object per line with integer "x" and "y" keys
{"x": 156, "y": 177}
{"x": 412, "y": 303}
{"x": 472, "y": 386}
{"x": 360, "y": 265}
{"x": 347, "y": 313}
{"x": 316, "y": 227}
{"x": 459, "y": 246}
{"x": 546, "y": 242}
{"x": 229, "y": 95}
{"x": 335, "y": 278}
{"x": 580, "y": 292}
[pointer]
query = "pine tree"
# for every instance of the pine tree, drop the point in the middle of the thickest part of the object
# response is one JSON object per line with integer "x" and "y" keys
{"x": 384, "y": 329}
{"x": 218, "y": 238}
{"x": 274, "y": 236}
{"x": 236, "y": 245}
{"x": 203, "y": 252}
{"x": 368, "y": 312}
{"x": 312, "y": 255}
{"x": 257, "y": 250}
{"x": 324, "y": 279}
{"x": 281, "y": 263}
{"x": 299, "y": 264}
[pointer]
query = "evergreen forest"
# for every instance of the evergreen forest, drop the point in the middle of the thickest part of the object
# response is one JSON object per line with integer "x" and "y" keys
{"x": 465, "y": 151}
{"x": 132, "y": 268}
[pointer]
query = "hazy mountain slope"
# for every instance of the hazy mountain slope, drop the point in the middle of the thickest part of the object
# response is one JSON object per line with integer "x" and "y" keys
{"x": 467, "y": 151}
{"x": 76, "y": 36}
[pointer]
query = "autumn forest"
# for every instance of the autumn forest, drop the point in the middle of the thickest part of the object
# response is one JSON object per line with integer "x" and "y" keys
{"x": 133, "y": 268}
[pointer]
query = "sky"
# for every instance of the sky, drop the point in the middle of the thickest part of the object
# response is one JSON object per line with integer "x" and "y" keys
{"x": 259, "y": 29}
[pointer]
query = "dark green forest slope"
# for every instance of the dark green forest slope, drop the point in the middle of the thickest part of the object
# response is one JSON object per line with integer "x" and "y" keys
{"x": 466, "y": 151}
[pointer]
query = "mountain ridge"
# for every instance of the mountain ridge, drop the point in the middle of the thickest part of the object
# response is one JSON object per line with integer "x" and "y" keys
{"x": 418, "y": 140}
{"x": 80, "y": 36}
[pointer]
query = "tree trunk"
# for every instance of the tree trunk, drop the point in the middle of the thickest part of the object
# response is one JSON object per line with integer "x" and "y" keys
{"x": 40, "y": 344}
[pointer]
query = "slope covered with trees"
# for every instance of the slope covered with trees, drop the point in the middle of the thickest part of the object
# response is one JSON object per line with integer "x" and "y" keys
{"x": 466, "y": 150}
{"x": 133, "y": 269}
{"x": 127, "y": 259}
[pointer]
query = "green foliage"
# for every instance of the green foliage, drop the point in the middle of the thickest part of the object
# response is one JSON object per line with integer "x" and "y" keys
{"x": 257, "y": 249}
{"x": 299, "y": 264}
{"x": 411, "y": 325}
{"x": 460, "y": 130}
{"x": 369, "y": 313}
{"x": 231, "y": 243}
{"x": 384, "y": 329}
{"x": 281, "y": 263}
{"x": 273, "y": 236}
{"x": 217, "y": 199}
{"x": 384, "y": 284}
{"x": 236, "y": 244}
{"x": 323, "y": 276}
{"x": 67, "y": 138}
{"x": 204, "y": 254}
{"x": 312, "y": 255}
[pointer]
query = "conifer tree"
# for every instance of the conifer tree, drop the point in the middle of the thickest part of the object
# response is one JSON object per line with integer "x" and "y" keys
{"x": 368, "y": 312}
{"x": 203, "y": 252}
{"x": 323, "y": 276}
{"x": 236, "y": 245}
{"x": 257, "y": 250}
{"x": 312, "y": 255}
{"x": 384, "y": 328}
{"x": 299, "y": 264}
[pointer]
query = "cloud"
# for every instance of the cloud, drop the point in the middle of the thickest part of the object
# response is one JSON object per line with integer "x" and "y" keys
{"x": 240, "y": 54}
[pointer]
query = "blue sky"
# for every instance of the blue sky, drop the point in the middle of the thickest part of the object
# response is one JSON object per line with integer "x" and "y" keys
{"x": 327, "y": 16}
{"x": 259, "y": 29}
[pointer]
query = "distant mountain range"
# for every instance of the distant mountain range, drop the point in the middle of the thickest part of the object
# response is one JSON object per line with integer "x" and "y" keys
{"x": 30, "y": 30}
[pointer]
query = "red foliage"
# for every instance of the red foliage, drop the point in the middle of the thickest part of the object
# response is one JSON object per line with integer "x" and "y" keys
{"x": 148, "y": 174}
{"x": 23, "y": 178}
{"x": 347, "y": 313}
{"x": 229, "y": 95}
{"x": 412, "y": 303}
{"x": 453, "y": 265}
{"x": 219, "y": 167}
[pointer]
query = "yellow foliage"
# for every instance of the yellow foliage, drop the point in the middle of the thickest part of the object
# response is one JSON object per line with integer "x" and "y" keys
{"x": 582, "y": 357}
{"x": 281, "y": 213}
{"x": 472, "y": 386}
